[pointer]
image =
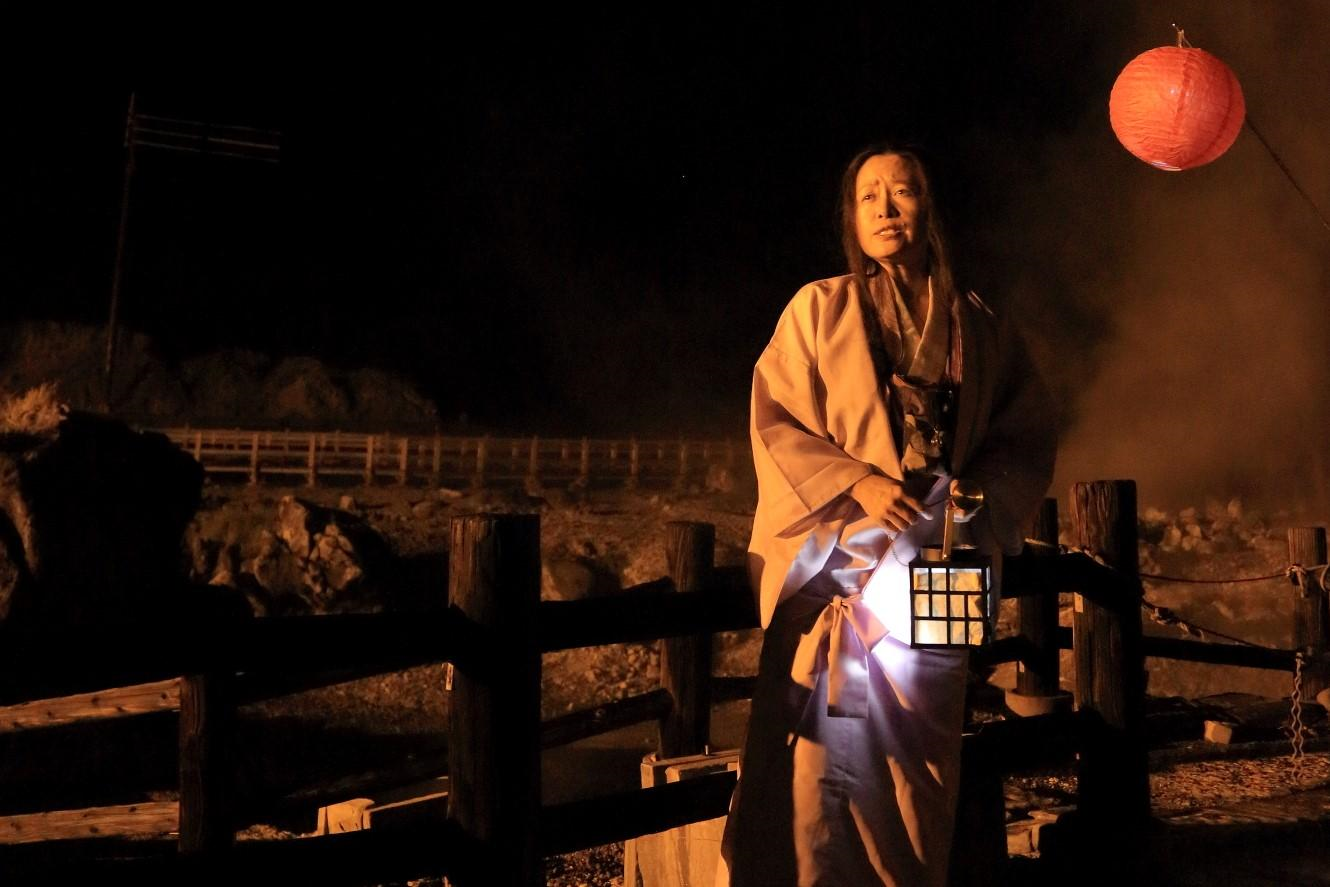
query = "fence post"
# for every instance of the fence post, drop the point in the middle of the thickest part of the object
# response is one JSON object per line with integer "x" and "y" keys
{"x": 1311, "y": 622}
{"x": 478, "y": 478}
{"x": 403, "y": 461}
{"x": 1038, "y": 689}
{"x": 436, "y": 463}
{"x": 312, "y": 473}
{"x": 254, "y": 458}
{"x": 206, "y": 712}
{"x": 369, "y": 460}
{"x": 494, "y": 718}
{"x": 198, "y": 447}
{"x": 685, "y": 662}
{"x": 533, "y": 466}
{"x": 681, "y": 482}
{"x": 584, "y": 466}
{"x": 634, "y": 464}
{"x": 1113, "y": 775}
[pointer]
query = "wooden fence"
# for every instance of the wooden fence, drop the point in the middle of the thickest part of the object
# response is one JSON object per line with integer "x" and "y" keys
{"x": 311, "y": 457}
{"x": 497, "y": 831}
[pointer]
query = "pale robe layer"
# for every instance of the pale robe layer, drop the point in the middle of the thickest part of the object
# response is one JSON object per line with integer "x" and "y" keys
{"x": 863, "y": 800}
{"x": 819, "y": 425}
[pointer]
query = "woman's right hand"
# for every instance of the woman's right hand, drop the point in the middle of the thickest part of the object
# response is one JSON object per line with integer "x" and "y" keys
{"x": 884, "y": 499}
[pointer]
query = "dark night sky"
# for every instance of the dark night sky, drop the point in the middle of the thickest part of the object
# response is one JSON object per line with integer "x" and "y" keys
{"x": 588, "y": 224}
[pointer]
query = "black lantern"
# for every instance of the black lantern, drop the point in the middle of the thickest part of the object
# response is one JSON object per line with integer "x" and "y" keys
{"x": 949, "y": 605}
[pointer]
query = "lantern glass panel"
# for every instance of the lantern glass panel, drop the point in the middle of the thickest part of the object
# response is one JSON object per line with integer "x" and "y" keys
{"x": 930, "y": 632}
{"x": 976, "y": 606}
{"x": 956, "y": 606}
{"x": 976, "y": 632}
{"x": 957, "y": 632}
{"x": 923, "y": 580}
{"x": 939, "y": 605}
{"x": 966, "y": 579}
{"x": 921, "y": 605}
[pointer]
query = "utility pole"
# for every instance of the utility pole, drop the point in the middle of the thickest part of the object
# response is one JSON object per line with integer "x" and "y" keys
{"x": 171, "y": 134}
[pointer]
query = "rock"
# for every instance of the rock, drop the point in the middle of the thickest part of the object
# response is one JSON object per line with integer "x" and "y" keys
{"x": 424, "y": 508}
{"x": 336, "y": 550}
{"x": 348, "y": 504}
{"x": 275, "y": 569}
{"x": 448, "y": 495}
{"x": 92, "y": 518}
{"x": 574, "y": 579}
{"x": 1234, "y": 509}
{"x": 1172, "y": 538}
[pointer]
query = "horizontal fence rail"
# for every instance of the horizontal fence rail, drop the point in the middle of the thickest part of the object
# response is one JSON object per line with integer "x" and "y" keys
{"x": 311, "y": 457}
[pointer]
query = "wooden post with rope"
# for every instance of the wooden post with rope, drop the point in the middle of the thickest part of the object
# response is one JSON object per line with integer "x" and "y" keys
{"x": 1311, "y": 618}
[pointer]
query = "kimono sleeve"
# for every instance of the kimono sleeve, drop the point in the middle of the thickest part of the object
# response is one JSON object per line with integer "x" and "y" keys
{"x": 1014, "y": 463}
{"x": 801, "y": 472}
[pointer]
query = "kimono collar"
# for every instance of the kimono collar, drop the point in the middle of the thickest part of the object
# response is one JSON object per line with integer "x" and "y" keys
{"x": 924, "y": 354}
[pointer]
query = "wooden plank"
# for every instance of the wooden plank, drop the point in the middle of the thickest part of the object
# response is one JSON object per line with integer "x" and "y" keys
{"x": 1218, "y": 654}
{"x": 645, "y": 616}
{"x": 139, "y": 652}
{"x": 595, "y": 822}
{"x": 605, "y": 718}
{"x": 114, "y": 703}
{"x": 147, "y": 818}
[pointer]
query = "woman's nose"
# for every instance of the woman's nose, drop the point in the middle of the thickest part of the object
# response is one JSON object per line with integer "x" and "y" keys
{"x": 891, "y": 210}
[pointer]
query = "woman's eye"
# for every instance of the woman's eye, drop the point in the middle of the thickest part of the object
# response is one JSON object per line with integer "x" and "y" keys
{"x": 904, "y": 192}
{"x": 867, "y": 197}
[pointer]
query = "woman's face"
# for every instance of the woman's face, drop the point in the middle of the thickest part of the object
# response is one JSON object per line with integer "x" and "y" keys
{"x": 890, "y": 217}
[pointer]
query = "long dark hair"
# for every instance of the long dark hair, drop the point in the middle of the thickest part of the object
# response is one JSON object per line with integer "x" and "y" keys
{"x": 865, "y": 268}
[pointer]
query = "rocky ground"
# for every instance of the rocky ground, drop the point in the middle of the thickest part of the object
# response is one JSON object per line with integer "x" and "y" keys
{"x": 601, "y": 543}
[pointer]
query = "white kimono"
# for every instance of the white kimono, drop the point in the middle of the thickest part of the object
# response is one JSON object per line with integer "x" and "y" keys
{"x": 866, "y": 796}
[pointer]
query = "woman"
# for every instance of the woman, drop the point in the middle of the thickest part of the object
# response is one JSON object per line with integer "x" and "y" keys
{"x": 879, "y": 392}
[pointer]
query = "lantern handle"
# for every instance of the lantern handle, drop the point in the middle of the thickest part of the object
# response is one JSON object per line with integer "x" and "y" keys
{"x": 1183, "y": 42}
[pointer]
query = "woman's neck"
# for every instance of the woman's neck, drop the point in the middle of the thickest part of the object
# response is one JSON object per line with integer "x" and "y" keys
{"x": 912, "y": 281}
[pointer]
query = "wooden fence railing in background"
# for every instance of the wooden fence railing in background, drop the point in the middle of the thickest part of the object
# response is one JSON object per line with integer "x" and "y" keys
{"x": 311, "y": 457}
{"x": 497, "y": 831}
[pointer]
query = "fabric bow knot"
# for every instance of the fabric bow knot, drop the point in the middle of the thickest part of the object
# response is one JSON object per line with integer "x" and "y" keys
{"x": 840, "y": 643}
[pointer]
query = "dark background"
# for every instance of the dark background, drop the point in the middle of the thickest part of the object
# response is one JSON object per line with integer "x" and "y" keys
{"x": 588, "y": 223}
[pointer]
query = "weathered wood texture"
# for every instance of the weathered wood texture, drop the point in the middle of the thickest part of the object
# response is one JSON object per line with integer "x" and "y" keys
{"x": 1113, "y": 776}
{"x": 114, "y": 703}
{"x": 148, "y": 818}
{"x": 1311, "y": 620}
{"x": 494, "y": 718}
{"x": 685, "y": 662}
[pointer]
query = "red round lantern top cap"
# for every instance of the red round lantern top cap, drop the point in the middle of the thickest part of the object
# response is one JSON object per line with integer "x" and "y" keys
{"x": 1176, "y": 107}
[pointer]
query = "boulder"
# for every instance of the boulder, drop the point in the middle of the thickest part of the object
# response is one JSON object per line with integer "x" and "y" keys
{"x": 92, "y": 515}
{"x": 338, "y": 552}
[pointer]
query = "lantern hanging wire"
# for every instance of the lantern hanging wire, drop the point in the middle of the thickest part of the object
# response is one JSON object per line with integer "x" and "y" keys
{"x": 1184, "y": 43}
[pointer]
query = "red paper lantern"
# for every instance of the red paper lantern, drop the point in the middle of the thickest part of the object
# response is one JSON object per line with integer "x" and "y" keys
{"x": 1176, "y": 107}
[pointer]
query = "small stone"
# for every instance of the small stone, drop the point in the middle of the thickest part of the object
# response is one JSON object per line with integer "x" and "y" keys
{"x": 348, "y": 503}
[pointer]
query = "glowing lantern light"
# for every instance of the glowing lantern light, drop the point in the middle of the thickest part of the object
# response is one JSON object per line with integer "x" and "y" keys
{"x": 1176, "y": 107}
{"x": 949, "y": 604}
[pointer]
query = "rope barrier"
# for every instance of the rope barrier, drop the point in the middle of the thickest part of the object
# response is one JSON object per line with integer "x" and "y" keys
{"x": 1164, "y": 616}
